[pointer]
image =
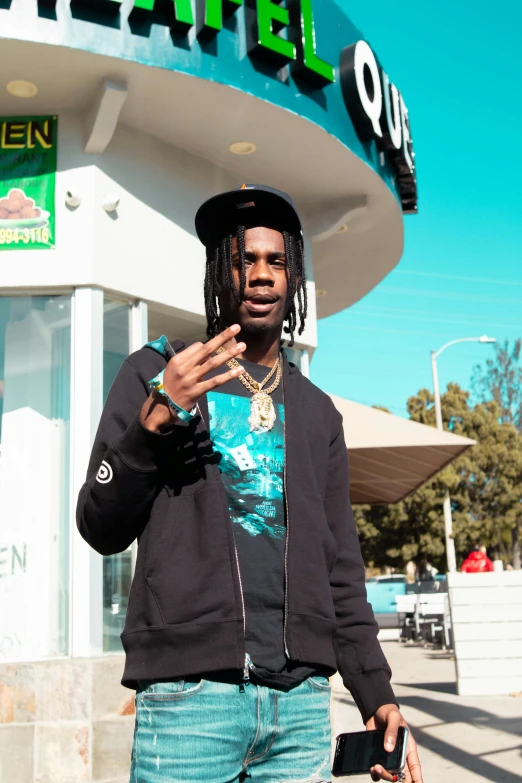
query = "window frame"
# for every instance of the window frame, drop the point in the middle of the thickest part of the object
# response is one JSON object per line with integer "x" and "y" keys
{"x": 86, "y": 572}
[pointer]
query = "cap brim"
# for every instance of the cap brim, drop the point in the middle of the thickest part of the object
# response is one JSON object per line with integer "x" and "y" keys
{"x": 221, "y": 214}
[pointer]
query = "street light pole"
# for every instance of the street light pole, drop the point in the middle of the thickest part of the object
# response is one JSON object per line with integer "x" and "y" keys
{"x": 451, "y": 556}
{"x": 436, "y": 390}
{"x": 448, "y": 521}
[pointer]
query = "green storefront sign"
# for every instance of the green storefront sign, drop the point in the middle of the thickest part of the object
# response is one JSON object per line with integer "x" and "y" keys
{"x": 304, "y": 56}
{"x": 28, "y": 147}
{"x": 265, "y": 20}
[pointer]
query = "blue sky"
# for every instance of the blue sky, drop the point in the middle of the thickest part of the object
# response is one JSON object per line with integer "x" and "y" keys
{"x": 459, "y": 68}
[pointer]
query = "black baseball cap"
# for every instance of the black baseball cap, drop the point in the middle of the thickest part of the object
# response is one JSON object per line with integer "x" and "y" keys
{"x": 249, "y": 205}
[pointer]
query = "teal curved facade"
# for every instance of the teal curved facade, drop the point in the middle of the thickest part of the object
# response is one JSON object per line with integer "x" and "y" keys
{"x": 130, "y": 32}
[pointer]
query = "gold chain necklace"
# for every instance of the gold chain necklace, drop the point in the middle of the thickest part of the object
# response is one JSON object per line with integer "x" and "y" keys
{"x": 262, "y": 412}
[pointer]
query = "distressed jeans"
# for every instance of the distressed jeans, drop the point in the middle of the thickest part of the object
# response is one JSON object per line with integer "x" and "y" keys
{"x": 214, "y": 732}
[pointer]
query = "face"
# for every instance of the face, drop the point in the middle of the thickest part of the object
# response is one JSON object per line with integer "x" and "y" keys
{"x": 264, "y": 305}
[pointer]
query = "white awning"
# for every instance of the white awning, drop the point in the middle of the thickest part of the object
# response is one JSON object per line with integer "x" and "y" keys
{"x": 390, "y": 457}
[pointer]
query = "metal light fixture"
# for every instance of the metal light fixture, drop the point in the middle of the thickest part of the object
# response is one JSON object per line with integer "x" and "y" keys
{"x": 242, "y": 147}
{"x": 22, "y": 89}
{"x": 110, "y": 202}
{"x": 73, "y": 198}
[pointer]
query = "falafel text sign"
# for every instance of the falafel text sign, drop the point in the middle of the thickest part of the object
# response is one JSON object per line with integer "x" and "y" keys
{"x": 27, "y": 182}
{"x": 304, "y": 56}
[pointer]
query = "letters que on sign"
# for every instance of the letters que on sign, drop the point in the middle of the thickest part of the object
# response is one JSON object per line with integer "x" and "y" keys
{"x": 283, "y": 33}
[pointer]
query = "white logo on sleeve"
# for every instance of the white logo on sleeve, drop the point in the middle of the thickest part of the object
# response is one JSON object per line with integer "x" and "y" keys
{"x": 104, "y": 474}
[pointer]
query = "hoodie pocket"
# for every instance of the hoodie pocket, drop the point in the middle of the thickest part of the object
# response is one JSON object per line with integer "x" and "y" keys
{"x": 189, "y": 568}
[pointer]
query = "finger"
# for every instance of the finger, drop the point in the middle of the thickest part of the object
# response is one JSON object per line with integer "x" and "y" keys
{"x": 391, "y": 731}
{"x": 221, "y": 358}
{"x": 230, "y": 343}
{"x": 185, "y": 357}
{"x": 219, "y": 340}
{"x": 414, "y": 767}
{"x": 379, "y": 773}
{"x": 220, "y": 380}
{"x": 190, "y": 350}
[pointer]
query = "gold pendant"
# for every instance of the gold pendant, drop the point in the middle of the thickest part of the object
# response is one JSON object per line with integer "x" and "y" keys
{"x": 262, "y": 413}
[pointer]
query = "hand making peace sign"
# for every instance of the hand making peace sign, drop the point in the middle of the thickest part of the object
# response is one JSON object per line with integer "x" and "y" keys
{"x": 184, "y": 378}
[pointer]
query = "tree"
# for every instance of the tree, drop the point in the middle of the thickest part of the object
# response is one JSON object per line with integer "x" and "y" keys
{"x": 501, "y": 380}
{"x": 485, "y": 486}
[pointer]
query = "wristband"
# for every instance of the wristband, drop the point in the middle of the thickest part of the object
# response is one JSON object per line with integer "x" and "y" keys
{"x": 156, "y": 384}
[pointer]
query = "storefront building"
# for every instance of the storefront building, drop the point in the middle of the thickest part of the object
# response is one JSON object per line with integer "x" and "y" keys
{"x": 117, "y": 120}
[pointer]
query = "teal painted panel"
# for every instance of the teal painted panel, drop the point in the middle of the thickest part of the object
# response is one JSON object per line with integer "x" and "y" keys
{"x": 382, "y": 596}
{"x": 223, "y": 58}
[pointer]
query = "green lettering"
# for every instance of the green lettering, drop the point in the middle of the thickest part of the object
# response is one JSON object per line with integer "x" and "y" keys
{"x": 272, "y": 17}
{"x": 214, "y": 15}
{"x": 182, "y": 10}
{"x": 310, "y": 66}
{"x": 214, "y": 12}
{"x": 322, "y": 69}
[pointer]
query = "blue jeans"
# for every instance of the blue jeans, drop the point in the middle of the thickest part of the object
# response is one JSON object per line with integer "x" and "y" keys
{"x": 213, "y": 732}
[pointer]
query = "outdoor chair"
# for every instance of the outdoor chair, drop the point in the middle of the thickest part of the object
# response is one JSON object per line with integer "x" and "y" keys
{"x": 406, "y": 611}
{"x": 432, "y": 619}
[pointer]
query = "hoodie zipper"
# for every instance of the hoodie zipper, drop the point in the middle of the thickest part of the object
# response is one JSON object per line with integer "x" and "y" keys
{"x": 248, "y": 661}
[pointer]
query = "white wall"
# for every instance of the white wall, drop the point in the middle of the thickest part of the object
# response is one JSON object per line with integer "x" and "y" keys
{"x": 487, "y": 625}
{"x": 147, "y": 249}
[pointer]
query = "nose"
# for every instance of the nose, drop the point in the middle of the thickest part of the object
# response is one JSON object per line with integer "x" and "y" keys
{"x": 260, "y": 273}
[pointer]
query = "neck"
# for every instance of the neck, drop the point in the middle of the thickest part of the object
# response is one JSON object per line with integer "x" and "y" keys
{"x": 262, "y": 348}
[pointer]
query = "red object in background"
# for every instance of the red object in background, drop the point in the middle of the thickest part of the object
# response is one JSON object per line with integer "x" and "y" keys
{"x": 477, "y": 563}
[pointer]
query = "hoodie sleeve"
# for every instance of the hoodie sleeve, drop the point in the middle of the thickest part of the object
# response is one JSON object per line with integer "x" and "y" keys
{"x": 359, "y": 656}
{"x": 122, "y": 477}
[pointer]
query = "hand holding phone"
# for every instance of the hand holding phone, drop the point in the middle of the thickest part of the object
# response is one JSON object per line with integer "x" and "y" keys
{"x": 356, "y": 753}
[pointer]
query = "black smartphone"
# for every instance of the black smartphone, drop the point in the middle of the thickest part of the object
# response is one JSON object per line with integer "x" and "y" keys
{"x": 358, "y": 752}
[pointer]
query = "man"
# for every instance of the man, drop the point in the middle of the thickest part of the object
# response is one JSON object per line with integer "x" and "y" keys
{"x": 249, "y": 585}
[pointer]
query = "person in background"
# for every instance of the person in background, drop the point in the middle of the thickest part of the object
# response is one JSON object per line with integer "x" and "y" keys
{"x": 477, "y": 562}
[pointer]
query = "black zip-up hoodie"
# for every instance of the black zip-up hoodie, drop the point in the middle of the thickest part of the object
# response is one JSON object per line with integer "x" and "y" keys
{"x": 185, "y": 613}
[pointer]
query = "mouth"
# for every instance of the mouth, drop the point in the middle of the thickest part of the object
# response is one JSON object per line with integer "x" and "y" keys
{"x": 260, "y": 303}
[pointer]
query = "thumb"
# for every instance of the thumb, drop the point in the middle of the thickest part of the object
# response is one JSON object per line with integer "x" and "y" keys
{"x": 391, "y": 731}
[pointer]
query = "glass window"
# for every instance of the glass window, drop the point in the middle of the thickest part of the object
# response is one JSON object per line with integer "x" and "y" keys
{"x": 117, "y": 569}
{"x": 35, "y": 376}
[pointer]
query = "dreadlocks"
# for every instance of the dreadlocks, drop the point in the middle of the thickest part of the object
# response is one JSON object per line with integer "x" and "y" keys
{"x": 219, "y": 277}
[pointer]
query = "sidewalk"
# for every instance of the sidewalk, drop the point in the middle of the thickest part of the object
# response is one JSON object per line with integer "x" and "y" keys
{"x": 464, "y": 739}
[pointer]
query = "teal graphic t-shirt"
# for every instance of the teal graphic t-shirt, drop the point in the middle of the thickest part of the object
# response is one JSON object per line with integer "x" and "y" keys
{"x": 252, "y": 465}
